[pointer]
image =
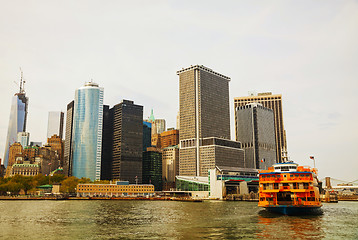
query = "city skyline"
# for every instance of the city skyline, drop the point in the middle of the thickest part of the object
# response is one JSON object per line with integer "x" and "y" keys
{"x": 309, "y": 59}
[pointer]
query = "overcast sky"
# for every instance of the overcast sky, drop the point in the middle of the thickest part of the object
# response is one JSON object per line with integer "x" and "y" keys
{"x": 305, "y": 50}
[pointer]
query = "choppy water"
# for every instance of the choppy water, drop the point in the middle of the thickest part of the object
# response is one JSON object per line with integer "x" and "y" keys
{"x": 169, "y": 220}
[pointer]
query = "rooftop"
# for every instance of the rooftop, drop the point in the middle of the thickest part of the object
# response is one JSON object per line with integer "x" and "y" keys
{"x": 203, "y": 68}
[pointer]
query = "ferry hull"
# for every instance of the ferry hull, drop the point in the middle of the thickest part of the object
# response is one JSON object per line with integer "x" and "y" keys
{"x": 293, "y": 210}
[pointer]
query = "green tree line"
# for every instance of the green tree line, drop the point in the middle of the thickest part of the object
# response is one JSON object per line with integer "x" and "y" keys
{"x": 28, "y": 184}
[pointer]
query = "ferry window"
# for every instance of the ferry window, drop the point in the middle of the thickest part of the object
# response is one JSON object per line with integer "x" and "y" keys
{"x": 275, "y": 185}
{"x": 291, "y": 175}
{"x": 285, "y": 175}
{"x": 296, "y": 175}
{"x": 302, "y": 175}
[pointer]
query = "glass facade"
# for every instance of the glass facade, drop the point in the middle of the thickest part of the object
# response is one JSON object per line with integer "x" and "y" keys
{"x": 185, "y": 185}
{"x": 23, "y": 138}
{"x": 87, "y": 132}
{"x": 17, "y": 122}
{"x": 55, "y": 124}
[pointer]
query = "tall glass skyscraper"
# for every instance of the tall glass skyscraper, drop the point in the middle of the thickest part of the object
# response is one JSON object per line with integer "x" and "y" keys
{"x": 87, "y": 132}
{"x": 17, "y": 122}
{"x": 55, "y": 124}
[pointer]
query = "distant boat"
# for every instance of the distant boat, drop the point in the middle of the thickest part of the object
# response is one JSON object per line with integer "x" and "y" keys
{"x": 289, "y": 189}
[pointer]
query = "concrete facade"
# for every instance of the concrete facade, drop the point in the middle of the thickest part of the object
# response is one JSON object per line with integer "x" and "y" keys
{"x": 204, "y": 113}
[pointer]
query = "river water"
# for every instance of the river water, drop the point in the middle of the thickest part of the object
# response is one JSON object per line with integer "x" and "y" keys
{"x": 101, "y": 219}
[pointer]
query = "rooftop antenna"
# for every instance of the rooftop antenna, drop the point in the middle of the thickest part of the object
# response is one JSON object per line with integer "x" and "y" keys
{"x": 22, "y": 82}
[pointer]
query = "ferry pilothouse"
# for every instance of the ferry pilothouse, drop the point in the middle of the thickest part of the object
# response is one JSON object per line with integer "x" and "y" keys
{"x": 289, "y": 189}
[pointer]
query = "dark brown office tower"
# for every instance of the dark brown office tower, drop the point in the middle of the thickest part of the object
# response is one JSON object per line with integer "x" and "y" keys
{"x": 273, "y": 102}
{"x": 68, "y": 140}
{"x": 127, "y": 142}
{"x": 205, "y": 121}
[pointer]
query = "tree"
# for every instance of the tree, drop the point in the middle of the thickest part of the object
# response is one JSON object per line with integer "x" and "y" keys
{"x": 69, "y": 185}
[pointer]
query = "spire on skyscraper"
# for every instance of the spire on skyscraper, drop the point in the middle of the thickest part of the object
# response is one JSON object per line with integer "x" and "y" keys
{"x": 151, "y": 118}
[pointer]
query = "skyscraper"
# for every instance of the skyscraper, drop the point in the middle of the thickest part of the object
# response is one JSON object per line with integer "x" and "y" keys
{"x": 127, "y": 141}
{"x": 205, "y": 122}
{"x": 147, "y": 135}
{"x": 55, "y": 124}
{"x": 204, "y": 103}
{"x": 152, "y": 168}
{"x": 170, "y": 166}
{"x": 273, "y": 102}
{"x": 256, "y": 132}
{"x": 23, "y": 138}
{"x": 67, "y": 157}
{"x": 87, "y": 131}
{"x": 18, "y": 116}
{"x": 107, "y": 144}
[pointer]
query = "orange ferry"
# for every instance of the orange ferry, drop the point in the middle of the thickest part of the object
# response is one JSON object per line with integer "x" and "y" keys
{"x": 289, "y": 189}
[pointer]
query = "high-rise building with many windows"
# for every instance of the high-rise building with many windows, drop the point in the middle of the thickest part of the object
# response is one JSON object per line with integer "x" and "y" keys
{"x": 205, "y": 122}
{"x": 18, "y": 116}
{"x": 23, "y": 138}
{"x": 274, "y": 102}
{"x": 256, "y": 132}
{"x": 67, "y": 157}
{"x": 170, "y": 166}
{"x": 55, "y": 124}
{"x": 87, "y": 132}
{"x": 127, "y": 141}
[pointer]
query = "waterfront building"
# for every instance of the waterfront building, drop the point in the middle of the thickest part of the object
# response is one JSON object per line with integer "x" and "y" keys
{"x": 17, "y": 121}
{"x": 55, "y": 124}
{"x": 127, "y": 141}
{"x": 169, "y": 138}
{"x": 67, "y": 157}
{"x": 152, "y": 168}
{"x": 119, "y": 189}
{"x": 170, "y": 166}
{"x": 274, "y": 102}
{"x": 87, "y": 132}
{"x": 23, "y": 138}
{"x": 15, "y": 148}
{"x": 256, "y": 132}
{"x": 229, "y": 182}
{"x": 205, "y": 122}
{"x": 192, "y": 186}
{"x": 147, "y": 135}
{"x": 220, "y": 183}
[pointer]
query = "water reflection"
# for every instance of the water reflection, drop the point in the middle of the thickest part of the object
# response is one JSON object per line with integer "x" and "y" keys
{"x": 289, "y": 227}
{"x": 169, "y": 220}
